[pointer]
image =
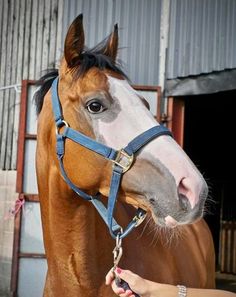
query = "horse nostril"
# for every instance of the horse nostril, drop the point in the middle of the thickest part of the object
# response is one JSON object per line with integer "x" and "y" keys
{"x": 152, "y": 201}
{"x": 184, "y": 202}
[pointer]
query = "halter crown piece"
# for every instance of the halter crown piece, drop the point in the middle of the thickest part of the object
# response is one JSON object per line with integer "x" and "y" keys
{"x": 122, "y": 161}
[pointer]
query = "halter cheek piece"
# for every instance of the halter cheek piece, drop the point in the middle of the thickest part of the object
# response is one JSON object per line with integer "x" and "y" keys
{"x": 122, "y": 161}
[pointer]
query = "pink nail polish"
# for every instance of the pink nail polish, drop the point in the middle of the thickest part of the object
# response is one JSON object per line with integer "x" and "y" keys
{"x": 118, "y": 270}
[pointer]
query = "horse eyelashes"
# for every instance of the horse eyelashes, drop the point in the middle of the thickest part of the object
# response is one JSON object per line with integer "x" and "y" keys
{"x": 95, "y": 107}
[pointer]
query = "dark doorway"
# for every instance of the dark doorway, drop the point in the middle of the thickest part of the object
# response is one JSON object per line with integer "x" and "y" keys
{"x": 209, "y": 130}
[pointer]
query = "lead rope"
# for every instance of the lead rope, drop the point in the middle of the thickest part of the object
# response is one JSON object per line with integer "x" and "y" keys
{"x": 117, "y": 254}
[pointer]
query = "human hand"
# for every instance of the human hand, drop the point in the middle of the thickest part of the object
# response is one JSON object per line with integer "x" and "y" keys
{"x": 137, "y": 284}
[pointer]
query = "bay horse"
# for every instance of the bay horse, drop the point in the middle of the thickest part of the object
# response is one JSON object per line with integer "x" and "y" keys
{"x": 90, "y": 97}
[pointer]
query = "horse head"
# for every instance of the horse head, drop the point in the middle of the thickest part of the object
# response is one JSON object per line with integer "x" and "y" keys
{"x": 97, "y": 100}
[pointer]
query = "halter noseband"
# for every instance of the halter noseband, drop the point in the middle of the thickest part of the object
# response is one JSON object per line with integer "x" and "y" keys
{"x": 122, "y": 161}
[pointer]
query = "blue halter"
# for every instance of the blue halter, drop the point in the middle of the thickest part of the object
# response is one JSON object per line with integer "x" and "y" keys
{"x": 122, "y": 161}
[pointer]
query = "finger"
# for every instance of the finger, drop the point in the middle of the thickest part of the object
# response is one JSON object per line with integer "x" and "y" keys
{"x": 117, "y": 290}
{"x": 128, "y": 276}
{"x": 127, "y": 293}
{"x": 109, "y": 277}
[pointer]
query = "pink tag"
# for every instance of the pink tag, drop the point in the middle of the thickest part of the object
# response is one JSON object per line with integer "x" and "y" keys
{"x": 19, "y": 203}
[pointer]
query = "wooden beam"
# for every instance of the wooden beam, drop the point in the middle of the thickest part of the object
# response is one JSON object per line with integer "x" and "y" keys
{"x": 21, "y": 137}
{"x": 16, "y": 248}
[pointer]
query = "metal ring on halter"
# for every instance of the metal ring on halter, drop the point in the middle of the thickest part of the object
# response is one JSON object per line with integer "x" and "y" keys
{"x": 139, "y": 218}
{"x": 62, "y": 124}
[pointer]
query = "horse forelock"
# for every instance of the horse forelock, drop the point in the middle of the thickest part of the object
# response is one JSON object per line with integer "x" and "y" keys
{"x": 88, "y": 59}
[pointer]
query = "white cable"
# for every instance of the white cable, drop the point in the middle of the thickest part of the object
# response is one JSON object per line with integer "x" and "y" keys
{"x": 17, "y": 87}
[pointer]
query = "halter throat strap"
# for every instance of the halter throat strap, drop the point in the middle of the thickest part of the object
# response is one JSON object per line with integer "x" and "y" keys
{"x": 122, "y": 161}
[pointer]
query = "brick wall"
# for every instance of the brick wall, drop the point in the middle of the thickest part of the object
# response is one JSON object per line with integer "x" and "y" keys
{"x": 7, "y": 198}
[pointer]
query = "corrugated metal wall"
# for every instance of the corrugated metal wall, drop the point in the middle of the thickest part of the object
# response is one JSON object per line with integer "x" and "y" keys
{"x": 201, "y": 37}
{"x": 139, "y": 23}
{"x": 201, "y": 40}
{"x": 29, "y": 43}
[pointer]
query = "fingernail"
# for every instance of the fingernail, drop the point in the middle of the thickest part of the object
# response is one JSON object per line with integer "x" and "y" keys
{"x": 120, "y": 291}
{"x": 118, "y": 270}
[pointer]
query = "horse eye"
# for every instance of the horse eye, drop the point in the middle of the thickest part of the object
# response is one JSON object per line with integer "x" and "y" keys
{"x": 95, "y": 107}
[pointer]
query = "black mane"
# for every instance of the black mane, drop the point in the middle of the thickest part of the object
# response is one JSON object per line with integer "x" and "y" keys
{"x": 88, "y": 58}
{"x": 45, "y": 83}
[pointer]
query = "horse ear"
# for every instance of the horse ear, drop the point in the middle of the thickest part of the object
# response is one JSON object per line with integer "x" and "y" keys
{"x": 112, "y": 44}
{"x": 74, "y": 42}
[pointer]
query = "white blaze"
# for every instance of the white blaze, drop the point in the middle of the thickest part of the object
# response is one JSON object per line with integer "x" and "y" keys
{"x": 133, "y": 119}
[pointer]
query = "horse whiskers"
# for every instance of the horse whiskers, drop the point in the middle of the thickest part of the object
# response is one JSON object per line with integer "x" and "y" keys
{"x": 144, "y": 228}
{"x": 163, "y": 234}
{"x": 166, "y": 236}
{"x": 155, "y": 237}
{"x": 210, "y": 202}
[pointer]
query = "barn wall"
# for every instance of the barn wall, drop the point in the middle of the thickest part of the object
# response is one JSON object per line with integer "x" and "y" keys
{"x": 7, "y": 190}
{"x": 201, "y": 40}
{"x": 201, "y": 37}
{"x": 32, "y": 36}
{"x": 139, "y": 34}
{"x": 30, "y": 43}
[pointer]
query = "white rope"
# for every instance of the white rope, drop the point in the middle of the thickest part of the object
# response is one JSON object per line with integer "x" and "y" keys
{"x": 17, "y": 87}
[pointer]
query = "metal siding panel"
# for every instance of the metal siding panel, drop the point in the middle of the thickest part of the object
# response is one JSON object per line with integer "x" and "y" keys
{"x": 46, "y": 35}
{"x": 212, "y": 36}
{"x": 59, "y": 48}
{"x": 53, "y": 32}
{"x": 28, "y": 45}
{"x": 201, "y": 37}
{"x": 33, "y": 39}
{"x": 6, "y": 74}
{"x": 172, "y": 37}
{"x": 139, "y": 23}
{"x": 231, "y": 45}
{"x": 27, "y": 36}
{"x": 139, "y": 36}
{"x": 97, "y": 19}
{"x": 2, "y": 77}
{"x": 39, "y": 42}
{"x": 1, "y": 22}
{"x": 15, "y": 96}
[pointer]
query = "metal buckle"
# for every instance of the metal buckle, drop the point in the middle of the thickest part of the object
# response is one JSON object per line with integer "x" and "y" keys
{"x": 123, "y": 160}
{"x": 139, "y": 218}
{"x": 62, "y": 124}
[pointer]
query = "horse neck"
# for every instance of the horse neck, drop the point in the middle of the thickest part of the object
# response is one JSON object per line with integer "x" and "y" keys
{"x": 79, "y": 247}
{"x": 72, "y": 236}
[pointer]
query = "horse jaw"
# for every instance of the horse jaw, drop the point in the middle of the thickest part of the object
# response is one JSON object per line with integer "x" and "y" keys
{"x": 163, "y": 179}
